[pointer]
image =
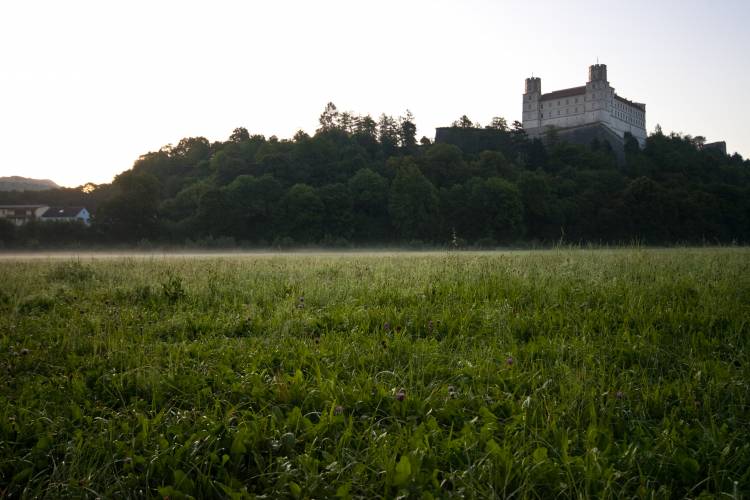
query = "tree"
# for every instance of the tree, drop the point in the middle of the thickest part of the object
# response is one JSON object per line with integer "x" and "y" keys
{"x": 650, "y": 210}
{"x": 7, "y": 232}
{"x": 226, "y": 167}
{"x": 301, "y": 214}
{"x": 498, "y": 123}
{"x": 191, "y": 150}
{"x": 239, "y": 134}
{"x": 463, "y": 122}
{"x": 328, "y": 118}
{"x": 214, "y": 213}
{"x": 494, "y": 164}
{"x": 369, "y": 193}
{"x": 413, "y": 204}
{"x": 366, "y": 134}
{"x": 541, "y": 214}
{"x": 250, "y": 204}
{"x": 132, "y": 212}
{"x": 444, "y": 165}
{"x": 300, "y": 136}
{"x": 337, "y": 208}
{"x": 496, "y": 209}
{"x": 408, "y": 132}
{"x": 185, "y": 203}
{"x": 346, "y": 122}
{"x": 388, "y": 133}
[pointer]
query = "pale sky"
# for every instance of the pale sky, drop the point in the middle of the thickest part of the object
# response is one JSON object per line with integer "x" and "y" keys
{"x": 88, "y": 86}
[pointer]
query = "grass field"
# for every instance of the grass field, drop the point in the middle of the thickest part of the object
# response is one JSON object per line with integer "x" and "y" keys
{"x": 570, "y": 373}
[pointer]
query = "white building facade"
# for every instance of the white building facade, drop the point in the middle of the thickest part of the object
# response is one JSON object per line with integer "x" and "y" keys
{"x": 66, "y": 214}
{"x": 593, "y": 103}
{"x": 21, "y": 214}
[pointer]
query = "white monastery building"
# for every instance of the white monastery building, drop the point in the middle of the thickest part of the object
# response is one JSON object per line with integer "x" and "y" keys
{"x": 595, "y": 103}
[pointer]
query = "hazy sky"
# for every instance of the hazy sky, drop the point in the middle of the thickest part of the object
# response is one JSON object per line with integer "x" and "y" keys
{"x": 88, "y": 86}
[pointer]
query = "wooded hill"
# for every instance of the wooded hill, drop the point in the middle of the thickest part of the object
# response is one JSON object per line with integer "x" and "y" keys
{"x": 358, "y": 181}
{"x": 16, "y": 183}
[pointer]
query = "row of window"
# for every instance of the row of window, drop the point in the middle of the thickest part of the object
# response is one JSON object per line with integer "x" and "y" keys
{"x": 567, "y": 111}
{"x": 622, "y": 116}
{"x": 626, "y": 118}
{"x": 638, "y": 116}
{"x": 619, "y": 105}
{"x": 567, "y": 102}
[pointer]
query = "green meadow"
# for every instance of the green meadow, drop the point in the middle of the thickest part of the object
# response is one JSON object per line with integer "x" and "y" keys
{"x": 536, "y": 374}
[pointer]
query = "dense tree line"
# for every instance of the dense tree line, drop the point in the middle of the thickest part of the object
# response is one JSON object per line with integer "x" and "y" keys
{"x": 363, "y": 181}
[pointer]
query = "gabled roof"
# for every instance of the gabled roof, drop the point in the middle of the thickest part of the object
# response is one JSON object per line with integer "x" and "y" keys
{"x": 565, "y": 93}
{"x": 61, "y": 212}
{"x": 22, "y": 206}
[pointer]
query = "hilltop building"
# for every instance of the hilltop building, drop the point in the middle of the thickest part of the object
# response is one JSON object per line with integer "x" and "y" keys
{"x": 573, "y": 110}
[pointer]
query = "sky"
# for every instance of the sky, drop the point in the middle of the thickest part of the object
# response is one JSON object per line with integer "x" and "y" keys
{"x": 86, "y": 87}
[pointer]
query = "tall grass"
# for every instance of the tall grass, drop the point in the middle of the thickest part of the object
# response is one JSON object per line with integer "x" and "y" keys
{"x": 582, "y": 373}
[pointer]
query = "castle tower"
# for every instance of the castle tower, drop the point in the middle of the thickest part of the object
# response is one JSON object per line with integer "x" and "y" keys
{"x": 598, "y": 94}
{"x": 533, "y": 85}
{"x": 531, "y": 98}
{"x": 598, "y": 73}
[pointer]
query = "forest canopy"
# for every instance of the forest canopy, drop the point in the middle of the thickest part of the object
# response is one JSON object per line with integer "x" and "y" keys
{"x": 365, "y": 181}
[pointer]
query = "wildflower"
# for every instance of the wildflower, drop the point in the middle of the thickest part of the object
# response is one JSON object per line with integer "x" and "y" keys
{"x": 619, "y": 395}
{"x": 387, "y": 326}
{"x": 509, "y": 361}
{"x": 338, "y": 410}
{"x": 301, "y": 303}
{"x": 430, "y": 326}
{"x": 401, "y": 394}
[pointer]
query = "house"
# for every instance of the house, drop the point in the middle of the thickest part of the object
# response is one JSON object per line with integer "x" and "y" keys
{"x": 21, "y": 214}
{"x": 56, "y": 214}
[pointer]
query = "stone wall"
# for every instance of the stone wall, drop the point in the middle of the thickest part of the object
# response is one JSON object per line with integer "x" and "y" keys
{"x": 473, "y": 140}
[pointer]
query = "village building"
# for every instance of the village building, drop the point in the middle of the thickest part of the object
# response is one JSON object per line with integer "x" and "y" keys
{"x": 66, "y": 214}
{"x": 21, "y": 214}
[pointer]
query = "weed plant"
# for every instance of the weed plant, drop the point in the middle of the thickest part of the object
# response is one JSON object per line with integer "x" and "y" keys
{"x": 563, "y": 373}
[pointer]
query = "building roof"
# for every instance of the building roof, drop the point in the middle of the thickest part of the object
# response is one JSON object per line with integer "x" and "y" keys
{"x": 61, "y": 212}
{"x": 565, "y": 93}
{"x": 638, "y": 105}
{"x": 22, "y": 206}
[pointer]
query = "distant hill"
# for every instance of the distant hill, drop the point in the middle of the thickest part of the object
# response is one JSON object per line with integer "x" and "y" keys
{"x": 16, "y": 183}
